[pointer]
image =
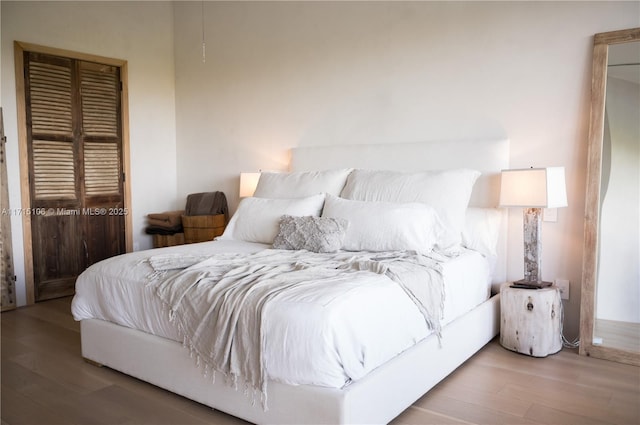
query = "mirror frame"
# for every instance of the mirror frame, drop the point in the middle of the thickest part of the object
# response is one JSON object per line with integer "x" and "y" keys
{"x": 592, "y": 201}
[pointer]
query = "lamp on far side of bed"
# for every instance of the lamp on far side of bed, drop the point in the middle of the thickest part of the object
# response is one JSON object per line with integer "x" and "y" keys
{"x": 533, "y": 189}
{"x": 248, "y": 184}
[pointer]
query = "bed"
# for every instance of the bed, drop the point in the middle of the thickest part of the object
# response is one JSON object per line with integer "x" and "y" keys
{"x": 358, "y": 343}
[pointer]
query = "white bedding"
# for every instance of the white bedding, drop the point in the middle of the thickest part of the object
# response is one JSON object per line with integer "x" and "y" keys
{"x": 318, "y": 337}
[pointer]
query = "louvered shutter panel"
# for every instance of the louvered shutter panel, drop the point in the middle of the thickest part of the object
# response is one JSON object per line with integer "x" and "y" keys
{"x": 50, "y": 86}
{"x": 99, "y": 85}
{"x": 53, "y": 153}
{"x": 53, "y": 170}
{"x": 101, "y": 169}
{"x": 100, "y": 89}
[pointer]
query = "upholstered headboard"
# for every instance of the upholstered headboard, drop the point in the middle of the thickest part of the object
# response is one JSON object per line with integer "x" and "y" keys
{"x": 487, "y": 156}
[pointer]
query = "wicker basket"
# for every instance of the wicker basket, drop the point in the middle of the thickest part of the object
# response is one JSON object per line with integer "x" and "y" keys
{"x": 201, "y": 228}
{"x": 160, "y": 241}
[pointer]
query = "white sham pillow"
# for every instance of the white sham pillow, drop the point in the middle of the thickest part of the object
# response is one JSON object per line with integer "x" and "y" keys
{"x": 301, "y": 183}
{"x": 385, "y": 226}
{"x": 481, "y": 231}
{"x": 257, "y": 219}
{"x": 447, "y": 191}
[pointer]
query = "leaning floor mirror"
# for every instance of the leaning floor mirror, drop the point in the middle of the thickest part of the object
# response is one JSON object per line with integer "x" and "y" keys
{"x": 610, "y": 303}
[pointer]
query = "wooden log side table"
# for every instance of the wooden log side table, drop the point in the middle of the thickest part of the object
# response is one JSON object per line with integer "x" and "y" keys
{"x": 530, "y": 320}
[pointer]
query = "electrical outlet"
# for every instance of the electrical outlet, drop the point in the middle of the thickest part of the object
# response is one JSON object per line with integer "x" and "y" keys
{"x": 563, "y": 285}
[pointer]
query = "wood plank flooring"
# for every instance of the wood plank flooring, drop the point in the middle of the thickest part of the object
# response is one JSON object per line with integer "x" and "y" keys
{"x": 46, "y": 382}
{"x": 622, "y": 335}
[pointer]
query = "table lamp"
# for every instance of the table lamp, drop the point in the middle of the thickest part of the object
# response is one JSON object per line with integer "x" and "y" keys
{"x": 248, "y": 184}
{"x": 533, "y": 189}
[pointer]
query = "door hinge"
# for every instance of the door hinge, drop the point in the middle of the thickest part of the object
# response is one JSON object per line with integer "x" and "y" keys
{"x": 123, "y": 177}
{"x": 121, "y": 86}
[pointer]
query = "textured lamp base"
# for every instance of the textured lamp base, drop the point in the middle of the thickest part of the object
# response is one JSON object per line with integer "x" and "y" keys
{"x": 532, "y": 244}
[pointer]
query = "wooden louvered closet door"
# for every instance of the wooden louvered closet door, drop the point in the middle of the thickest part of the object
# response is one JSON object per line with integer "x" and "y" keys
{"x": 75, "y": 168}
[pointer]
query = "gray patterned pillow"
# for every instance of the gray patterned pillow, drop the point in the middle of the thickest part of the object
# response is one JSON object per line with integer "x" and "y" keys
{"x": 316, "y": 234}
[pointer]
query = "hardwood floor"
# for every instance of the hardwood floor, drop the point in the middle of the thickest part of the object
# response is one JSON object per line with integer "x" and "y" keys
{"x": 622, "y": 335}
{"x": 45, "y": 381}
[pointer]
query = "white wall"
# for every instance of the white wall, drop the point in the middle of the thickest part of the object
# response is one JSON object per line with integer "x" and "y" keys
{"x": 618, "y": 288}
{"x": 142, "y": 34}
{"x": 279, "y": 75}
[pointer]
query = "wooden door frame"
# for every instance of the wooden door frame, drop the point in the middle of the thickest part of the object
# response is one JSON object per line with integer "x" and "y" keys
{"x": 19, "y": 49}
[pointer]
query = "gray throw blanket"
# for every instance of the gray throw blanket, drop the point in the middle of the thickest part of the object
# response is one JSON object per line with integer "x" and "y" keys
{"x": 218, "y": 302}
{"x": 207, "y": 203}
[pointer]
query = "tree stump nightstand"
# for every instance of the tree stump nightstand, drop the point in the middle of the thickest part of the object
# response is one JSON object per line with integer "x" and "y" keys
{"x": 530, "y": 320}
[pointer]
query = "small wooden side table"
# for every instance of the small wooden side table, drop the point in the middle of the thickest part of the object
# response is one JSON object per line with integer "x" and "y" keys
{"x": 530, "y": 320}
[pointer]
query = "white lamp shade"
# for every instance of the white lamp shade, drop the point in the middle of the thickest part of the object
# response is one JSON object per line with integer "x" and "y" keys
{"x": 533, "y": 188}
{"x": 248, "y": 184}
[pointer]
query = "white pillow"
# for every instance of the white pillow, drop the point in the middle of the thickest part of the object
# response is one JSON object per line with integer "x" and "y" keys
{"x": 299, "y": 184}
{"x": 481, "y": 231}
{"x": 385, "y": 226}
{"x": 447, "y": 191}
{"x": 257, "y": 219}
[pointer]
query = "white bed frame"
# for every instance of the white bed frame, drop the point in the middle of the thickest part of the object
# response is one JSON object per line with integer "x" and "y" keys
{"x": 382, "y": 394}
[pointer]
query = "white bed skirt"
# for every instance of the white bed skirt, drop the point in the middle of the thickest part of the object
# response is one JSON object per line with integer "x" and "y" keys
{"x": 378, "y": 398}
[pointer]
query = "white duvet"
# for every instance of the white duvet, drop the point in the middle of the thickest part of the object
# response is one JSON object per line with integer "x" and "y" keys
{"x": 327, "y": 340}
